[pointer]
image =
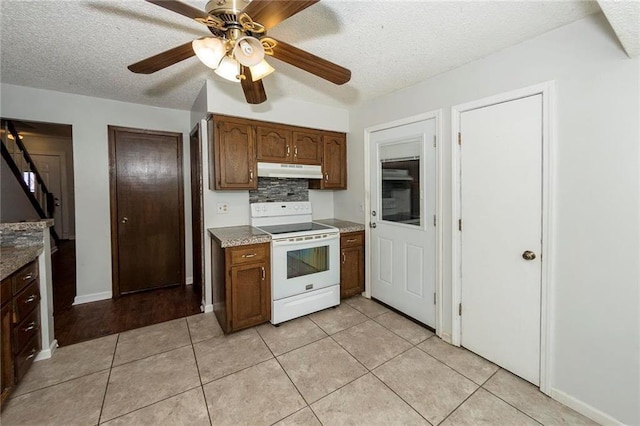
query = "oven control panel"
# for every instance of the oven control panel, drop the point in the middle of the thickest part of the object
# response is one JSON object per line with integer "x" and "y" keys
{"x": 280, "y": 209}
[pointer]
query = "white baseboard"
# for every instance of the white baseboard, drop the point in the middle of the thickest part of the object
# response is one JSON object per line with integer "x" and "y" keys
{"x": 47, "y": 353}
{"x": 93, "y": 297}
{"x": 208, "y": 308}
{"x": 584, "y": 408}
{"x": 189, "y": 280}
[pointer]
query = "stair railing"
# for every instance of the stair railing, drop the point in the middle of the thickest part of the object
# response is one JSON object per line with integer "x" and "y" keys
{"x": 24, "y": 169}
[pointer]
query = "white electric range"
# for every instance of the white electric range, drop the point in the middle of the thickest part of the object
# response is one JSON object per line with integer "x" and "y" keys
{"x": 305, "y": 259}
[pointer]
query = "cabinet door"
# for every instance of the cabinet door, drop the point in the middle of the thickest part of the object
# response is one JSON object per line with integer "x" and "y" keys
{"x": 352, "y": 271}
{"x": 250, "y": 295}
{"x": 335, "y": 162}
{"x": 273, "y": 144}
{"x": 233, "y": 155}
{"x": 6, "y": 352}
{"x": 307, "y": 148}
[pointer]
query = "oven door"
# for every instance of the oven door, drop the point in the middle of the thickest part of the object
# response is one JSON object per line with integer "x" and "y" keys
{"x": 304, "y": 264}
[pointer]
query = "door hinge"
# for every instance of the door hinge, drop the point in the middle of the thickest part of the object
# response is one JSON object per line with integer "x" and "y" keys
{"x": 460, "y": 309}
{"x": 434, "y": 297}
{"x": 434, "y": 141}
{"x": 459, "y": 138}
{"x": 434, "y": 220}
{"x": 459, "y": 224}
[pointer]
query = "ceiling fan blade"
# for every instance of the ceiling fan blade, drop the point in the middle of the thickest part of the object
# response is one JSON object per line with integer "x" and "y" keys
{"x": 253, "y": 90}
{"x": 311, "y": 63}
{"x": 163, "y": 60}
{"x": 271, "y": 12}
{"x": 179, "y": 7}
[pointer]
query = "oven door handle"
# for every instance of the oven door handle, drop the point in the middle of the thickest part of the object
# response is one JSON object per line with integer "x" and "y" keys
{"x": 312, "y": 241}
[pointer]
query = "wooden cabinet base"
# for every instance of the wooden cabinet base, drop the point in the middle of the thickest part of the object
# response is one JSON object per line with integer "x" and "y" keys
{"x": 241, "y": 285}
{"x": 352, "y": 264}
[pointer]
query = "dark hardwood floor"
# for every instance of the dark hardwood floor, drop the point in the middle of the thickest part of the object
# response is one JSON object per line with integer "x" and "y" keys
{"x": 75, "y": 324}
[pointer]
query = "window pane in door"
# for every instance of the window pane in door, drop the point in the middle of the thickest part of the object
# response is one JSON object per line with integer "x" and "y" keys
{"x": 401, "y": 190}
{"x": 307, "y": 261}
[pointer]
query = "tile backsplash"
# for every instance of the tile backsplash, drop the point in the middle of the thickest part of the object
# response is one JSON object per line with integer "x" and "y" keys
{"x": 279, "y": 190}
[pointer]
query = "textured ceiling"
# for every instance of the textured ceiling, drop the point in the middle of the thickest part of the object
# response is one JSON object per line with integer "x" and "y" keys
{"x": 84, "y": 47}
{"x": 624, "y": 17}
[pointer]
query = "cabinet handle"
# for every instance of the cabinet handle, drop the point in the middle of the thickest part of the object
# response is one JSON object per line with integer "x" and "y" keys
{"x": 31, "y": 326}
{"x": 351, "y": 240}
{"x": 248, "y": 256}
{"x": 27, "y": 277}
{"x": 288, "y": 150}
{"x": 263, "y": 273}
{"x": 33, "y": 353}
{"x": 295, "y": 151}
{"x": 30, "y": 299}
{"x": 344, "y": 257}
{"x": 326, "y": 177}
{"x": 250, "y": 175}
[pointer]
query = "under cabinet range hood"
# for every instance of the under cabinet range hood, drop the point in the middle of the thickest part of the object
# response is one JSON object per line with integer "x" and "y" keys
{"x": 282, "y": 170}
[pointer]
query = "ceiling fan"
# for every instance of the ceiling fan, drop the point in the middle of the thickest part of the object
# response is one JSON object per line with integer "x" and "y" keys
{"x": 239, "y": 44}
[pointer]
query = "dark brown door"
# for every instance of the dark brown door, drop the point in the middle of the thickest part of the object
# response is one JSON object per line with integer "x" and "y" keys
{"x": 197, "y": 217}
{"x": 147, "y": 209}
{"x": 335, "y": 154}
{"x": 233, "y": 155}
{"x": 250, "y": 295}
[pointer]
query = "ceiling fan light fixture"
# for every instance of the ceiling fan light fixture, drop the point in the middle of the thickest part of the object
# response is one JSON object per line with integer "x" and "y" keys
{"x": 248, "y": 51}
{"x": 229, "y": 69}
{"x": 209, "y": 50}
{"x": 261, "y": 70}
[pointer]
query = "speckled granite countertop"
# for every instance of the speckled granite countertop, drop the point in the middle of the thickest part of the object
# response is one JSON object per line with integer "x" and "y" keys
{"x": 342, "y": 225}
{"x": 14, "y": 258}
{"x": 233, "y": 236}
{"x": 20, "y": 243}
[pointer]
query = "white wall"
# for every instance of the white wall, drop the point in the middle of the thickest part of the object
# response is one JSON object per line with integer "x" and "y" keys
{"x": 596, "y": 323}
{"x": 90, "y": 118}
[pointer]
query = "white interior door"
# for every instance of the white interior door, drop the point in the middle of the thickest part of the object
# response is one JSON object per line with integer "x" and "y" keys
{"x": 49, "y": 168}
{"x": 403, "y": 198}
{"x": 501, "y": 208}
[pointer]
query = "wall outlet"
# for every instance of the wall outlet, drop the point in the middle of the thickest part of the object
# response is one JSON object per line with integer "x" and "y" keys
{"x": 223, "y": 208}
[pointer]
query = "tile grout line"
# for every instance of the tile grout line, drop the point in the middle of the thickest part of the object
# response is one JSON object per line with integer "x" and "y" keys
{"x": 106, "y": 388}
{"x": 193, "y": 349}
{"x": 507, "y": 402}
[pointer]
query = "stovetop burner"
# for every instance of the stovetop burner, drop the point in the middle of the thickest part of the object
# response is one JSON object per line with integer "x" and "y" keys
{"x": 288, "y": 228}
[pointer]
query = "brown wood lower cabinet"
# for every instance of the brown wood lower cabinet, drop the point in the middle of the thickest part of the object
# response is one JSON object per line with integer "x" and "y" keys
{"x": 241, "y": 285}
{"x": 352, "y": 264}
{"x": 20, "y": 325}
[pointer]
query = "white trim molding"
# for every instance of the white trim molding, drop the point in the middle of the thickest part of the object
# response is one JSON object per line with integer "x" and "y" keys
{"x": 584, "y": 408}
{"x": 437, "y": 115}
{"x": 188, "y": 280}
{"x": 47, "y": 353}
{"x": 548, "y": 231}
{"x": 93, "y": 297}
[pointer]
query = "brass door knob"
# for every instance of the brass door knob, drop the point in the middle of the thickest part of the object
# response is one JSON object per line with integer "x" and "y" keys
{"x": 528, "y": 255}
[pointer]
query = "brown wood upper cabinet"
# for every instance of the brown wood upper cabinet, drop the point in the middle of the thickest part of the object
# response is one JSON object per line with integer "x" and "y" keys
{"x": 236, "y": 145}
{"x": 232, "y": 162}
{"x": 280, "y": 144}
{"x": 334, "y": 163}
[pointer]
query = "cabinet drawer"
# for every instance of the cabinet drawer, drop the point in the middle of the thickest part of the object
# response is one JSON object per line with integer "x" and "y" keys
{"x": 252, "y": 253}
{"x": 28, "y": 328}
{"x": 26, "y": 356}
{"x": 28, "y": 299}
{"x": 352, "y": 239}
{"x": 24, "y": 276}
{"x": 6, "y": 290}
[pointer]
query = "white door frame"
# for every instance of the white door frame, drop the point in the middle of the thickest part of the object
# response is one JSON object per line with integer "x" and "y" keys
{"x": 437, "y": 114}
{"x": 548, "y": 231}
{"x": 64, "y": 196}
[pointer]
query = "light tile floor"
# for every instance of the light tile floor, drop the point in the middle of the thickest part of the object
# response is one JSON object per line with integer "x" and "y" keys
{"x": 357, "y": 364}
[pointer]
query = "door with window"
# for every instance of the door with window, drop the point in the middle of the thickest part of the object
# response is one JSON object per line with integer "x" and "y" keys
{"x": 147, "y": 209}
{"x": 403, "y": 202}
